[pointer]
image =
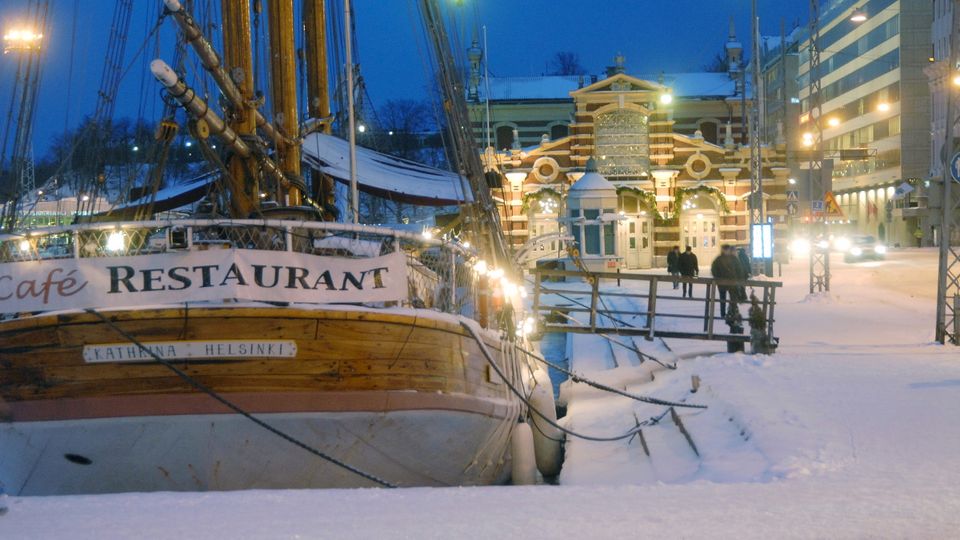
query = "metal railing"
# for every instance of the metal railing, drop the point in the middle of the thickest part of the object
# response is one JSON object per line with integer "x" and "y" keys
{"x": 655, "y": 312}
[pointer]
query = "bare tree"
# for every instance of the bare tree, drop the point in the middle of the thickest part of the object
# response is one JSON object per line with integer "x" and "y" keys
{"x": 567, "y": 63}
{"x": 717, "y": 64}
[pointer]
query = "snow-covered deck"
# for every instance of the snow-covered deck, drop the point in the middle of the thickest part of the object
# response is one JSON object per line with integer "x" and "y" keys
{"x": 850, "y": 431}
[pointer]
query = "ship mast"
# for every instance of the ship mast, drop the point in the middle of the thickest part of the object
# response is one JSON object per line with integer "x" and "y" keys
{"x": 318, "y": 95}
{"x": 283, "y": 93}
{"x": 239, "y": 64}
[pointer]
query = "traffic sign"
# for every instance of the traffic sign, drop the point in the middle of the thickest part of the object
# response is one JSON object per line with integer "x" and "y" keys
{"x": 816, "y": 206}
{"x": 793, "y": 195}
{"x": 792, "y": 208}
{"x": 955, "y": 167}
{"x": 832, "y": 207}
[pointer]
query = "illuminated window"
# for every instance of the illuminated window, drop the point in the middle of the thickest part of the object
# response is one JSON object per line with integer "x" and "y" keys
{"x": 623, "y": 143}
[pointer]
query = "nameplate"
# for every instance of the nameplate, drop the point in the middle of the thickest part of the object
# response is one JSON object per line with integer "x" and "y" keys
{"x": 177, "y": 350}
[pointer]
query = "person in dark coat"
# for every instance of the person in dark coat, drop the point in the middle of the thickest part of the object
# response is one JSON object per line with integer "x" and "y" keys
{"x": 673, "y": 265}
{"x": 727, "y": 266}
{"x": 689, "y": 267}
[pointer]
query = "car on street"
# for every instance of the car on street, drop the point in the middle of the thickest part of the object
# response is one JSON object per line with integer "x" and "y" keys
{"x": 864, "y": 248}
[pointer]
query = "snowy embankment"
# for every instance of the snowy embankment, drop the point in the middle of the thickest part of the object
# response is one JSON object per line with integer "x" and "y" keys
{"x": 849, "y": 431}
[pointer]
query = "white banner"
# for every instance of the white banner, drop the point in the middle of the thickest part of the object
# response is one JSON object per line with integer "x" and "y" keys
{"x": 213, "y": 275}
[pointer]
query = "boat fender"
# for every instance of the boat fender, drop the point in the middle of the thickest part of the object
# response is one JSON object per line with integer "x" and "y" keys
{"x": 524, "y": 467}
{"x": 546, "y": 438}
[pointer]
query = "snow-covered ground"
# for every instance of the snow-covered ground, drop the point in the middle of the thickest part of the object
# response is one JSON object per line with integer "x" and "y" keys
{"x": 849, "y": 431}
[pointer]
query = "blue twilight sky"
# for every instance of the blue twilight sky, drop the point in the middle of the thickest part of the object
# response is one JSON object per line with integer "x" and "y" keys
{"x": 523, "y": 35}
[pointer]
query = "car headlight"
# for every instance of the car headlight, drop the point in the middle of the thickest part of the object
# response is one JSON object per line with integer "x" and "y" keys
{"x": 856, "y": 252}
{"x": 841, "y": 244}
{"x": 881, "y": 249}
{"x": 823, "y": 244}
{"x": 800, "y": 246}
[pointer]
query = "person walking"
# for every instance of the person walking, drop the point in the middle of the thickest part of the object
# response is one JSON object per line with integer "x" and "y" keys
{"x": 689, "y": 267}
{"x": 673, "y": 265}
{"x": 727, "y": 267}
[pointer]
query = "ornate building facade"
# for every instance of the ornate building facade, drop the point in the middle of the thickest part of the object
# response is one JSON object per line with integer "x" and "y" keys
{"x": 671, "y": 150}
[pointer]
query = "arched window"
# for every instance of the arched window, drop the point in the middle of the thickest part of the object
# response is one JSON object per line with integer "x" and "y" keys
{"x": 504, "y": 137}
{"x": 623, "y": 143}
{"x": 559, "y": 131}
{"x": 709, "y": 131}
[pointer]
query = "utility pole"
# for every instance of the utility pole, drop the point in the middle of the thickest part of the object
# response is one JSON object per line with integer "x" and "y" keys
{"x": 948, "y": 284}
{"x": 756, "y": 164}
{"x": 819, "y": 257}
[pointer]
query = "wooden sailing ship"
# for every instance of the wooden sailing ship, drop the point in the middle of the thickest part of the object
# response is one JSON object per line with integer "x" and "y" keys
{"x": 264, "y": 352}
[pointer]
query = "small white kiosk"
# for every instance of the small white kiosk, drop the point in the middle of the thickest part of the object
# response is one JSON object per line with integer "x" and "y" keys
{"x": 592, "y": 219}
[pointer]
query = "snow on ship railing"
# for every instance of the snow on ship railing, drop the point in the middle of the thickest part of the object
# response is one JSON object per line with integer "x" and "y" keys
{"x": 48, "y": 269}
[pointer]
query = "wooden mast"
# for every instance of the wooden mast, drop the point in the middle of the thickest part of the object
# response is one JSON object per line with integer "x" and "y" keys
{"x": 283, "y": 90}
{"x": 239, "y": 63}
{"x": 318, "y": 94}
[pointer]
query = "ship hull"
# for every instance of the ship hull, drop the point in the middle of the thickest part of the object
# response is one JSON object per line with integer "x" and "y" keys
{"x": 405, "y": 397}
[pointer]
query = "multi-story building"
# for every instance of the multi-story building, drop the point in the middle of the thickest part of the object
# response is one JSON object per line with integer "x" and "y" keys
{"x": 940, "y": 78}
{"x": 875, "y": 118}
{"x": 670, "y": 147}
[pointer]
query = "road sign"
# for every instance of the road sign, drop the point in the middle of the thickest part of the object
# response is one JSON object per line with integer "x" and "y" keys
{"x": 816, "y": 206}
{"x": 792, "y": 208}
{"x": 955, "y": 167}
{"x": 793, "y": 195}
{"x": 832, "y": 207}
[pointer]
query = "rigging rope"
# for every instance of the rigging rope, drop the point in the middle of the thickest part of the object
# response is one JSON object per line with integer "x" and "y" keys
{"x": 236, "y": 408}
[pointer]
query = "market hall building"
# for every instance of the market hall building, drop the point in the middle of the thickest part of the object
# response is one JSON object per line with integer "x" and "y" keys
{"x": 671, "y": 157}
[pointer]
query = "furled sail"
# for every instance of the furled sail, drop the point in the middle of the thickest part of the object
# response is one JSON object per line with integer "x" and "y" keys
{"x": 385, "y": 176}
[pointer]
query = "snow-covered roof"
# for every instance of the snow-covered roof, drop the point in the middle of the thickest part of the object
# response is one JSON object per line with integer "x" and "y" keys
{"x": 384, "y": 175}
{"x": 591, "y": 181}
{"x": 557, "y": 87}
{"x": 701, "y": 84}
{"x": 524, "y": 88}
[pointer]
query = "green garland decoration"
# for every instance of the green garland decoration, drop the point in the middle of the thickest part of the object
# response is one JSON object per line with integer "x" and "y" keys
{"x": 681, "y": 194}
{"x": 647, "y": 199}
{"x": 535, "y": 196}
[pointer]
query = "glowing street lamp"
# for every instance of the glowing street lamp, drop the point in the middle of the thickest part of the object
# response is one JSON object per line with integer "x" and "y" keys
{"x": 666, "y": 98}
{"x": 21, "y": 40}
{"x": 883, "y": 107}
{"x": 858, "y": 16}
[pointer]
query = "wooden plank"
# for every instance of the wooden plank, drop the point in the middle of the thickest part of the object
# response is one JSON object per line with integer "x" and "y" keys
{"x": 683, "y": 430}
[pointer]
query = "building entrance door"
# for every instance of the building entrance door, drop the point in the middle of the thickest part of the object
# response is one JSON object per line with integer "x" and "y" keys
{"x": 700, "y": 230}
{"x": 639, "y": 242}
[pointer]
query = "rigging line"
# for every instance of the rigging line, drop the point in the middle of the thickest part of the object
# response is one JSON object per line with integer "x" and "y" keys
{"x": 73, "y": 50}
{"x": 519, "y": 394}
{"x": 600, "y": 386}
{"x": 232, "y": 406}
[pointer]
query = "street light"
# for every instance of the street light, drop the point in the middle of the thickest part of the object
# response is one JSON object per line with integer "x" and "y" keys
{"x": 21, "y": 40}
{"x": 858, "y": 16}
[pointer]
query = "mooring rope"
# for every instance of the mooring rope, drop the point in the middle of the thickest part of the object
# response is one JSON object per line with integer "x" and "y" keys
{"x": 519, "y": 394}
{"x": 600, "y": 386}
{"x": 236, "y": 408}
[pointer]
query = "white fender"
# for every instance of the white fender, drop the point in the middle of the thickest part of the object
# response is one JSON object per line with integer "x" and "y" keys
{"x": 524, "y": 461}
{"x": 546, "y": 438}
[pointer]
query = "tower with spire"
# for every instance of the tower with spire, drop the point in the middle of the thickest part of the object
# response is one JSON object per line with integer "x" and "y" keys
{"x": 734, "y": 51}
{"x": 475, "y": 56}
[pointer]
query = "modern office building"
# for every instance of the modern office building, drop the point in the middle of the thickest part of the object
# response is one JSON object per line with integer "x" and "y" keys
{"x": 875, "y": 120}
